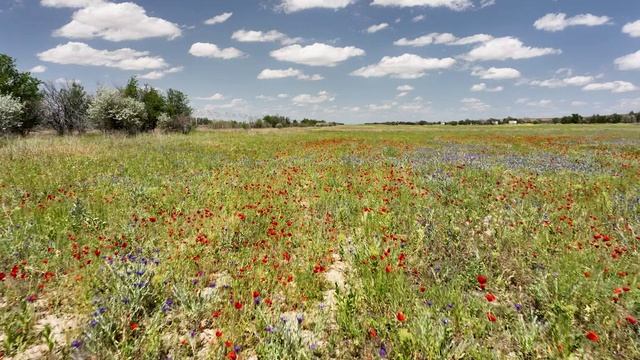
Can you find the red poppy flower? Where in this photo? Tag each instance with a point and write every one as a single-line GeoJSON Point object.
{"type": "Point", "coordinates": [401, 316]}
{"type": "Point", "coordinates": [2, 276]}
{"type": "Point", "coordinates": [373, 333]}
{"type": "Point", "coordinates": [232, 355]}
{"type": "Point", "coordinates": [388, 269]}
{"type": "Point", "coordinates": [218, 333]}
{"type": "Point", "coordinates": [238, 305]}
{"type": "Point", "coordinates": [216, 314]}
{"type": "Point", "coordinates": [592, 336]}
{"type": "Point", "coordinates": [153, 219]}
{"type": "Point", "coordinates": [256, 294]}
{"type": "Point", "coordinates": [133, 326]}
{"type": "Point", "coordinates": [491, 317]}
{"type": "Point", "coordinates": [228, 343]}
{"type": "Point", "coordinates": [482, 281]}
{"type": "Point", "coordinates": [490, 297]}
{"type": "Point", "coordinates": [631, 320]}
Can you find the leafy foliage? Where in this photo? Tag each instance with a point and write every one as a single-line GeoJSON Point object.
{"type": "Point", "coordinates": [24, 87]}
{"type": "Point", "coordinates": [111, 111]}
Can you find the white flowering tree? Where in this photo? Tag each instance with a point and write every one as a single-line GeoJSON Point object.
{"type": "Point", "coordinates": [11, 110]}
{"type": "Point", "coordinates": [111, 111]}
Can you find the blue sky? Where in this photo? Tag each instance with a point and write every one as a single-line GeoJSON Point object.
{"type": "Point", "coordinates": [343, 60]}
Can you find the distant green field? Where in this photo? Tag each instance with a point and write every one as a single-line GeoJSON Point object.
{"type": "Point", "coordinates": [353, 242]}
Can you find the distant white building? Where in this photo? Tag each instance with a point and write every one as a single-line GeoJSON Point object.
{"type": "Point", "coordinates": [513, 122]}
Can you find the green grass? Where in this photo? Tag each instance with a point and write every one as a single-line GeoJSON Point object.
{"type": "Point", "coordinates": [153, 244]}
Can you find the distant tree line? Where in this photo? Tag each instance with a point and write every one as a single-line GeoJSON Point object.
{"type": "Point", "coordinates": [27, 103]}
{"type": "Point", "coordinates": [266, 122]}
{"type": "Point", "coordinates": [632, 117]}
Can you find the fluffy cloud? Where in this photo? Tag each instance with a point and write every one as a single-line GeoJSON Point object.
{"type": "Point", "coordinates": [614, 86]}
{"type": "Point", "coordinates": [116, 22]}
{"type": "Point", "coordinates": [214, 97]}
{"type": "Point", "coordinates": [473, 105]}
{"type": "Point", "coordinates": [559, 21]}
{"type": "Point", "coordinates": [406, 66]}
{"type": "Point", "coordinates": [307, 99]}
{"type": "Point", "coordinates": [375, 28]}
{"type": "Point", "coordinates": [38, 69]}
{"type": "Point", "coordinates": [269, 74]}
{"type": "Point", "coordinates": [405, 88]}
{"type": "Point", "coordinates": [560, 83]}
{"type": "Point", "coordinates": [317, 54]}
{"type": "Point", "coordinates": [505, 48]}
{"type": "Point", "coordinates": [629, 62]}
{"type": "Point", "coordinates": [484, 87]}
{"type": "Point", "coordinates": [219, 19]}
{"type": "Point", "coordinates": [70, 3]}
{"type": "Point", "coordinates": [263, 36]}
{"type": "Point", "coordinates": [443, 38]}
{"type": "Point", "coordinates": [159, 74]}
{"type": "Point", "coordinates": [433, 38]}
{"type": "Point", "coordinates": [290, 6]}
{"type": "Point", "coordinates": [75, 53]}
{"type": "Point", "coordinates": [213, 51]}
{"type": "Point", "coordinates": [496, 73]}
{"type": "Point", "coordinates": [451, 4]}
{"type": "Point", "coordinates": [633, 29]}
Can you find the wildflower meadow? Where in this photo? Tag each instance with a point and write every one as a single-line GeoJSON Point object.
{"type": "Point", "coordinates": [338, 243]}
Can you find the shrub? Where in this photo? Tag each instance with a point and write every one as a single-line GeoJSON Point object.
{"type": "Point", "coordinates": [65, 109]}
{"type": "Point", "coordinates": [23, 87]}
{"type": "Point", "coordinates": [182, 124]}
{"type": "Point", "coordinates": [111, 111]}
{"type": "Point", "coordinates": [11, 110]}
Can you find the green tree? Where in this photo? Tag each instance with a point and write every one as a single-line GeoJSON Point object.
{"type": "Point", "coordinates": [177, 104]}
{"type": "Point", "coordinates": [132, 90]}
{"type": "Point", "coordinates": [23, 87]}
{"type": "Point", "coordinates": [155, 105]}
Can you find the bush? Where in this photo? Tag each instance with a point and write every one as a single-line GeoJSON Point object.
{"type": "Point", "coordinates": [23, 87]}
{"type": "Point", "coordinates": [111, 111]}
{"type": "Point", "coordinates": [182, 124]}
{"type": "Point", "coordinates": [65, 109]}
{"type": "Point", "coordinates": [10, 113]}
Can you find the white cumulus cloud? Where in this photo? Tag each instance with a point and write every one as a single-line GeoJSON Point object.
{"type": "Point", "coordinates": [484, 87]}
{"type": "Point", "coordinates": [613, 86]}
{"type": "Point", "coordinates": [38, 69]}
{"type": "Point", "coordinates": [308, 99]}
{"type": "Point", "coordinates": [214, 97]}
{"type": "Point", "coordinates": [263, 36]}
{"type": "Point", "coordinates": [219, 19]}
{"type": "Point", "coordinates": [633, 29]}
{"type": "Point", "coordinates": [290, 6]}
{"type": "Point", "coordinates": [269, 74]}
{"type": "Point", "coordinates": [213, 51]}
{"type": "Point", "coordinates": [69, 3]}
{"type": "Point", "coordinates": [443, 38]}
{"type": "Point", "coordinates": [318, 54]}
{"type": "Point", "coordinates": [629, 62]}
{"type": "Point", "coordinates": [116, 22]}
{"type": "Point", "coordinates": [375, 28]}
{"type": "Point", "coordinates": [505, 48]}
{"type": "Point", "coordinates": [406, 66]}
{"type": "Point", "coordinates": [494, 73]}
{"type": "Point", "coordinates": [560, 21]}
{"type": "Point", "coordinates": [159, 74]}
{"type": "Point", "coordinates": [76, 53]}
{"type": "Point", "coordinates": [451, 4]}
